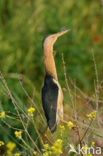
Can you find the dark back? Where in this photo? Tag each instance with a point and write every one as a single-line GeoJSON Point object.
{"type": "Point", "coordinates": [49, 101]}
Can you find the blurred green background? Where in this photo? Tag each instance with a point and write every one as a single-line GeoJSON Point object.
{"type": "Point", "coordinates": [24, 24]}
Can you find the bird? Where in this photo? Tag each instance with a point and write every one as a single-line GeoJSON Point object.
{"type": "Point", "coordinates": [52, 95]}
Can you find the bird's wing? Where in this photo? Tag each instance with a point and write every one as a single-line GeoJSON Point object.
{"type": "Point", "coordinates": [49, 101]}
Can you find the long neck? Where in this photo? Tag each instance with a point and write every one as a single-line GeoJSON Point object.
{"type": "Point", "coordinates": [49, 62]}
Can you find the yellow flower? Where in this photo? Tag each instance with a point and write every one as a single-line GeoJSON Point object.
{"type": "Point", "coordinates": [18, 134]}
{"type": "Point", "coordinates": [93, 143]}
{"type": "Point", "coordinates": [85, 148]}
{"type": "Point", "coordinates": [35, 153]}
{"type": "Point", "coordinates": [53, 148]}
{"type": "Point", "coordinates": [72, 145]}
{"type": "Point", "coordinates": [89, 116]}
{"type": "Point", "coordinates": [57, 147]}
{"type": "Point", "coordinates": [57, 150]}
{"type": "Point", "coordinates": [62, 128]}
{"type": "Point", "coordinates": [58, 141]}
{"type": "Point", "coordinates": [11, 146]}
{"type": "Point", "coordinates": [70, 125]}
{"type": "Point", "coordinates": [31, 110]}
{"type": "Point", "coordinates": [1, 143]}
{"type": "Point", "coordinates": [2, 115]}
{"type": "Point", "coordinates": [92, 115]}
{"type": "Point", "coordinates": [45, 146]}
{"type": "Point", "coordinates": [46, 154]}
{"type": "Point", "coordinates": [17, 154]}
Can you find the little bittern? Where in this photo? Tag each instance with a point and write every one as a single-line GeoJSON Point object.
{"type": "Point", "coordinates": [52, 96]}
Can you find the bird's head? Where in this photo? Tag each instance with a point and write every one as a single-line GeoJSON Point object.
{"type": "Point", "coordinates": [50, 39]}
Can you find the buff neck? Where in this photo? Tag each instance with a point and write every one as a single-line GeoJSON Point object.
{"type": "Point", "coordinates": [49, 62]}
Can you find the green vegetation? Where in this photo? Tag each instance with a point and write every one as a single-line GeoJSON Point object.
{"type": "Point", "coordinates": [23, 25]}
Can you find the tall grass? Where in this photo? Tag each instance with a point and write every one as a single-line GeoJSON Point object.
{"type": "Point", "coordinates": [83, 111]}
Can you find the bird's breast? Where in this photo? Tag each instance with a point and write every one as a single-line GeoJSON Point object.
{"type": "Point", "coordinates": [59, 114]}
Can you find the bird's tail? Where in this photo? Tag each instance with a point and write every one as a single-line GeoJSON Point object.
{"type": "Point", "coordinates": [52, 126]}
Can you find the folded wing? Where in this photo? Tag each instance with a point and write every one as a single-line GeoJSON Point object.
{"type": "Point", "coordinates": [49, 101]}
